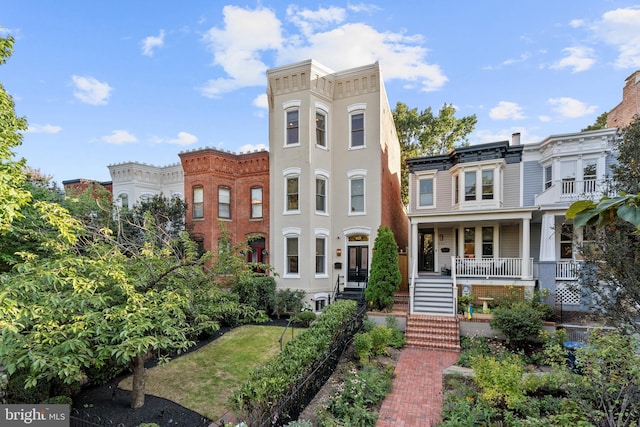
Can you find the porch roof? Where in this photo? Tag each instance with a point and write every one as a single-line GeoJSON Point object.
{"type": "Point", "coordinates": [455, 217]}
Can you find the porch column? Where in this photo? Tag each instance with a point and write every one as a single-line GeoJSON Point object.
{"type": "Point", "coordinates": [413, 259]}
{"type": "Point", "coordinates": [547, 238]}
{"type": "Point", "coordinates": [526, 248]}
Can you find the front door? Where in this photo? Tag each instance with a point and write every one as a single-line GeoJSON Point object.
{"type": "Point", "coordinates": [426, 261]}
{"type": "Point", "coordinates": [358, 266]}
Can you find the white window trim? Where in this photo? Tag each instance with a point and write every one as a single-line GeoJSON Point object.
{"type": "Point", "coordinates": [426, 175]}
{"type": "Point", "coordinates": [353, 109]}
{"type": "Point", "coordinates": [477, 167]}
{"type": "Point", "coordinates": [288, 106]}
{"type": "Point", "coordinates": [287, 233]}
{"type": "Point", "coordinates": [290, 173]}
{"type": "Point", "coordinates": [323, 233]}
{"type": "Point", "coordinates": [323, 174]}
{"type": "Point", "coordinates": [324, 109]}
{"type": "Point", "coordinates": [358, 174]}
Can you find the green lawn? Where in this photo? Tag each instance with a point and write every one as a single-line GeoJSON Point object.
{"type": "Point", "coordinates": [204, 379]}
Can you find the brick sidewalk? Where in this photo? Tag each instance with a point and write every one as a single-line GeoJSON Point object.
{"type": "Point", "coordinates": [416, 397]}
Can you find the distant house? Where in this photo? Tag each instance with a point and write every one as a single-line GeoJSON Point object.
{"type": "Point", "coordinates": [470, 232]}
{"type": "Point", "coordinates": [77, 186]}
{"type": "Point", "coordinates": [232, 189]}
{"type": "Point", "coordinates": [623, 113]}
{"type": "Point", "coordinates": [489, 221]}
{"type": "Point", "coordinates": [134, 181]}
{"type": "Point", "coordinates": [334, 175]}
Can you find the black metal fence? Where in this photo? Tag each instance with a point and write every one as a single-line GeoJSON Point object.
{"type": "Point", "coordinates": [303, 392]}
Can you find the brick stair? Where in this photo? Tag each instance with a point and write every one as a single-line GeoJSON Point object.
{"type": "Point", "coordinates": [400, 304]}
{"type": "Point", "coordinates": [435, 332]}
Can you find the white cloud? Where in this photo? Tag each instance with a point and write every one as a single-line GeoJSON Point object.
{"type": "Point", "coordinates": [35, 128]}
{"type": "Point", "coordinates": [261, 101]}
{"type": "Point", "coordinates": [236, 48]}
{"type": "Point", "coordinates": [400, 56]}
{"type": "Point", "coordinates": [576, 23]}
{"type": "Point", "coordinates": [247, 36]}
{"type": "Point", "coordinates": [248, 148]}
{"type": "Point", "coordinates": [544, 119]}
{"type": "Point", "coordinates": [485, 136]}
{"type": "Point", "coordinates": [363, 7]}
{"type": "Point", "coordinates": [151, 42]}
{"type": "Point", "coordinates": [309, 20]}
{"type": "Point", "coordinates": [91, 91]}
{"type": "Point", "coordinates": [119, 137]}
{"type": "Point", "coordinates": [578, 58]}
{"type": "Point", "coordinates": [571, 108]}
{"type": "Point", "coordinates": [183, 138]}
{"type": "Point", "coordinates": [506, 110]}
{"type": "Point", "coordinates": [621, 29]}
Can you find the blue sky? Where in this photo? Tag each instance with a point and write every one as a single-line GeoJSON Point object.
{"type": "Point", "coordinates": [114, 81]}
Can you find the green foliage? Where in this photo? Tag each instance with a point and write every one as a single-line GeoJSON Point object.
{"type": "Point", "coordinates": [363, 343]}
{"type": "Point", "coordinates": [424, 134]}
{"type": "Point", "coordinates": [59, 400]}
{"type": "Point", "coordinates": [554, 349]}
{"type": "Point", "coordinates": [305, 318]}
{"type": "Point", "coordinates": [626, 172]}
{"type": "Point", "coordinates": [479, 346]}
{"type": "Point", "coordinates": [299, 423]}
{"type": "Point", "coordinates": [288, 301]}
{"type": "Point", "coordinates": [148, 425]}
{"type": "Point", "coordinates": [398, 340]}
{"type": "Point", "coordinates": [519, 323]}
{"type": "Point", "coordinates": [609, 389]}
{"type": "Point", "coordinates": [269, 384]}
{"type": "Point", "coordinates": [385, 277]}
{"type": "Point", "coordinates": [258, 292]}
{"type": "Point", "coordinates": [352, 403]}
{"type": "Point", "coordinates": [500, 381]}
{"type": "Point", "coordinates": [380, 339]}
{"type": "Point", "coordinates": [600, 123]}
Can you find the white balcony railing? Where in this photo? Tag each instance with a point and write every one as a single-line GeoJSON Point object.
{"type": "Point", "coordinates": [493, 267]}
{"type": "Point", "coordinates": [571, 190]}
{"type": "Point", "coordinates": [567, 270]}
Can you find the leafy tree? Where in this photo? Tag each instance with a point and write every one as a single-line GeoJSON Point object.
{"type": "Point", "coordinates": [626, 173]}
{"type": "Point", "coordinates": [385, 277]}
{"type": "Point", "coordinates": [13, 195]}
{"type": "Point", "coordinates": [600, 123]}
{"type": "Point", "coordinates": [425, 134]}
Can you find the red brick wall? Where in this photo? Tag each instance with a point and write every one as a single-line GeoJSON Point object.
{"type": "Point", "coordinates": [393, 212]}
{"type": "Point", "coordinates": [212, 169]}
{"type": "Point", "coordinates": [77, 186]}
{"type": "Point", "coordinates": [624, 112]}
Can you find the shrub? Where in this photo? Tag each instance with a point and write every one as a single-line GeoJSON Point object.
{"type": "Point", "coordinates": [380, 338]}
{"type": "Point", "coordinates": [500, 381]}
{"type": "Point", "coordinates": [288, 301]}
{"type": "Point", "coordinates": [259, 292]}
{"type": "Point", "coordinates": [362, 344]}
{"type": "Point", "coordinates": [398, 339]}
{"type": "Point", "coordinates": [385, 277]}
{"type": "Point", "coordinates": [518, 323]}
{"type": "Point", "coordinates": [305, 318]}
{"type": "Point", "coordinates": [59, 400]}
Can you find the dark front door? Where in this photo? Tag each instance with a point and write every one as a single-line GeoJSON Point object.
{"type": "Point", "coordinates": [358, 262]}
{"type": "Point", "coordinates": [426, 262]}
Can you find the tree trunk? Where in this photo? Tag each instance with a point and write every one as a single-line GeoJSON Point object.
{"type": "Point", "coordinates": [137, 392]}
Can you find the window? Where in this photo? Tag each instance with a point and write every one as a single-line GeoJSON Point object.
{"type": "Point", "coordinates": [548, 177]}
{"type": "Point", "coordinates": [566, 241]}
{"type": "Point", "coordinates": [469, 242]}
{"type": "Point", "coordinates": [356, 189]}
{"type": "Point", "coordinates": [124, 200]}
{"type": "Point", "coordinates": [293, 135]}
{"type": "Point", "coordinates": [470, 186]}
{"type": "Point", "coordinates": [589, 174]}
{"type": "Point", "coordinates": [456, 190]}
{"type": "Point", "coordinates": [487, 242]}
{"type": "Point", "coordinates": [321, 129]}
{"type": "Point", "coordinates": [321, 255]}
{"type": "Point", "coordinates": [292, 194]}
{"type": "Point", "coordinates": [224, 202]}
{"type": "Point", "coordinates": [256, 202]}
{"type": "Point", "coordinates": [321, 195]}
{"type": "Point", "coordinates": [487, 185]}
{"type": "Point", "coordinates": [198, 202]}
{"type": "Point", "coordinates": [292, 255]}
{"type": "Point", "coordinates": [357, 130]}
{"type": "Point", "coordinates": [426, 192]}
{"type": "Point", "coordinates": [568, 170]}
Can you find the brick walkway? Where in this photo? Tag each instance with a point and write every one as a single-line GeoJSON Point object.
{"type": "Point", "coordinates": [416, 397]}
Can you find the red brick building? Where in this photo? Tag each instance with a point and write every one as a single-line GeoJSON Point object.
{"type": "Point", "coordinates": [622, 114]}
{"type": "Point", "coordinates": [228, 188]}
{"type": "Point", "coordinates": [77, 186]}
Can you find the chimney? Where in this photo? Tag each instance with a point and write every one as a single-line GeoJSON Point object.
{"type": "Point", "coordinates": [515, 138]}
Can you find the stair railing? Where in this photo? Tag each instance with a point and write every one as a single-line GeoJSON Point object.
{"type": "Point", "coordinates": [336, 290]}
{"type": "Point", "coordinates": [454, 280]}
{"type": "Point", "coordinates": [412, 284]}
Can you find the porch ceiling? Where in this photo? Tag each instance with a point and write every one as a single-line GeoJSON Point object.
{"type": "Point", "coordinates": [465, 217]}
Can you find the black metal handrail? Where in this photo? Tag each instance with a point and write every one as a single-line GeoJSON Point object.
{"type": "Point", "coordinates": [285, 331]}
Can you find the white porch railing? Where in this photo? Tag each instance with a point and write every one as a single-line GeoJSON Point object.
{"type": "Point", "coordinates": [567, 270]}
{"type": "Point", "coordinates": [570, 190]}
{"type": "Point", "coordinates": [492, 267]}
